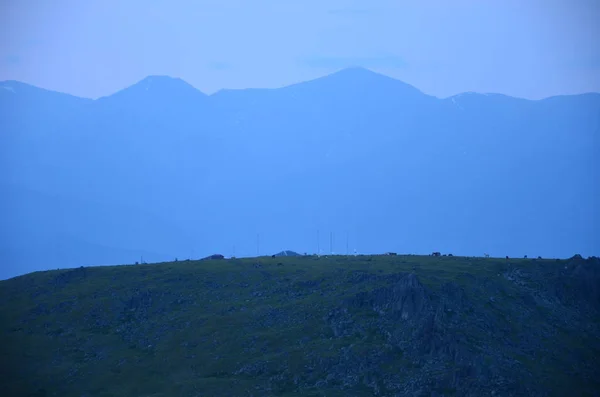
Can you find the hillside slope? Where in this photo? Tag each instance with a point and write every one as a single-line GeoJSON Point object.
{"type": "Point", "coordinates": [311, 326]}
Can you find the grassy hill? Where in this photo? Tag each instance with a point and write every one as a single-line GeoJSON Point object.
{"type": "Point", "coordinates": [311, 326]}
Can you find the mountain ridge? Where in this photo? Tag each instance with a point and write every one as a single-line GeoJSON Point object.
{"type": "Point", "coordinates": [339, 73]}
{"type": "Point", "coordinates": [393, 169]}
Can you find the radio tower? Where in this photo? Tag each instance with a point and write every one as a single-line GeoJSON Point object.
{"type": "Point", "coordinates": [331, 242]}
{"type": "Point", "coordinates": [347, 238]}
{"type": "Point", "coordinates": [318, 244]}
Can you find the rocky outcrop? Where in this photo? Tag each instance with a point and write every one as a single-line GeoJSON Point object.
{"type": "Point", "coordinates": [404, 300]}
{"type": "Point", "coordinates": [432, 332]}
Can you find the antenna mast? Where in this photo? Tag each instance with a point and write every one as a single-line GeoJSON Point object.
{"type": "Point", "coordinates": [257, 244]}
{"type": "Point", "coordinates": [318, 244]}
{"type": "Point", "coordinates": [331, 242]}
{"type": "Point", "coordinates": [347, 238]}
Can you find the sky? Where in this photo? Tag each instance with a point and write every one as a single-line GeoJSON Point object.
{"type": "Point", "coordinates": [526, 48]}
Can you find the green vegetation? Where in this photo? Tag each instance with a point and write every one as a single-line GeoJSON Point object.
{"type": "Point", "coordinates": [311, 326]}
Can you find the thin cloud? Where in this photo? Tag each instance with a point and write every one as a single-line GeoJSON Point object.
{"type": "Point", "coordinates": [219, 65]}
{"type": "Point", "coordinates": [384, 62]}
{"type": "Point", "coordinates": [590, 63]}
{"type": "Point", "coordinates": [351, 11]}
{"type": "Point", "coordinates": [33, 43]}
{"type": "Point", "coordinates": [583, 63]}
{"type": "Point", "coordinates": [12, 59]}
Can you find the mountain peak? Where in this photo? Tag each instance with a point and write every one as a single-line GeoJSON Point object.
{"type": "Point", "coordinates": [357, 71]}
{"type": "Point", "coordinates": [161, 79]}
{"type": "Point", "coordinates": [361, 75]}
{"type": "Point", "coordinates": [8, 86]}
{"type": "Point", "coordinates": [362, 79]}
{"type": "Point", "coordinates": [17, 89]}
{"type": "Point", "coordinates": [160, 86]}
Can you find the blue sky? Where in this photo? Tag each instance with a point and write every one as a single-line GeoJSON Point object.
{"type": "Point", "coordinates": [526, 48]}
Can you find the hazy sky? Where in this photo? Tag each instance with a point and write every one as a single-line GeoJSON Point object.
{"type": "Point", "coordinates": [91, 48]}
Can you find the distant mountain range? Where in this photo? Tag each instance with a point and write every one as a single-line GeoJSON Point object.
{"type": "Point", "coordinates": [160, 170]}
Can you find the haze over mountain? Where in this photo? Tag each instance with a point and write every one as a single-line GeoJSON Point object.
{"type": "Point", "coordinates": [161, 170]}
